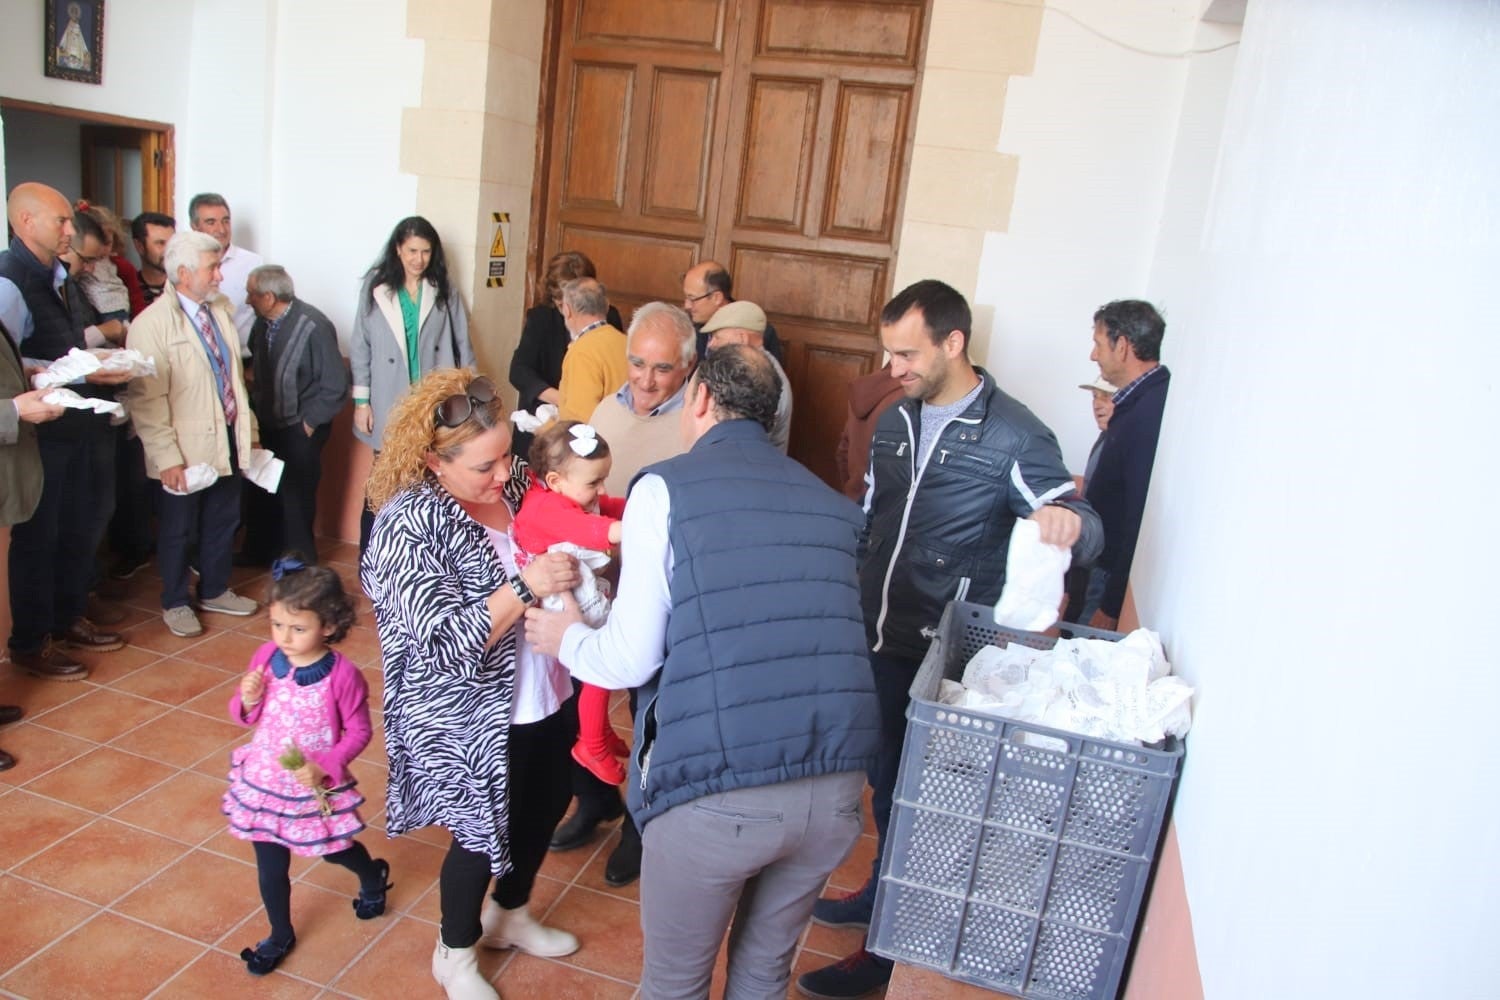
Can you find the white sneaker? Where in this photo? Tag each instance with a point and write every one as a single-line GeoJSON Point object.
{"type": "Point", "coordinates": [229, 603]}
{"type": "Point", "coordinates": [457, 972]}
{"type": "Point", "coordinates": [518, 929]}
{"type": "Point", "coordinates": [181, 621]}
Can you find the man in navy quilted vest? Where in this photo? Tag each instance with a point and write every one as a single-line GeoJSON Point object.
{"type": "Point", "coordinates": [739, 618]}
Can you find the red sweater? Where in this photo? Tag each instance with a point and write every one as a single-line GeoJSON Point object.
{"type": "Point", "coordinates": [546, 518]}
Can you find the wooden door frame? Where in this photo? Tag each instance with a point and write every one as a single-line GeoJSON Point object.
{"type": "Point", "coordinates": [160, 141]}
{"type": "Point", "coordinates": [551, 49]}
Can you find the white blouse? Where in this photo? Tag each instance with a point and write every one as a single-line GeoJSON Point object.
{"type": "Point", "coordinates": [542, 684]}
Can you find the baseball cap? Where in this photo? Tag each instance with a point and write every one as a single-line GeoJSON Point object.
{"type": "Point", "coordinates": [738, 316]}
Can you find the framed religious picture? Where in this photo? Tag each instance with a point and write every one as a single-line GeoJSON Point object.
{"type": "Point", "coordinates": [74, 43]}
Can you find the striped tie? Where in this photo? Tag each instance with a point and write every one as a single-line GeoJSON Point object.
{"type": "Point", "coordinates": [211, 340]}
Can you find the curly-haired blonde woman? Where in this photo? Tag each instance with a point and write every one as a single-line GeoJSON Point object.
{"type": "Point", "coordinates": [472, 723]}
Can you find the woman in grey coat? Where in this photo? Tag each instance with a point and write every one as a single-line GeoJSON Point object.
{"type": "Point", "coordinates": [408, 321]}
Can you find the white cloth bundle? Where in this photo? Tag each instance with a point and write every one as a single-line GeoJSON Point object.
{"type": "Point", "coordinates": [264, 471]}
{"type": "Point", "coordinates": [78, 363]}
{"type": "Point", "coordinates": [1033, 580]}
{"type": "Point", "coordinates": [73, 401]}
{"type": "Point", "coordinates": [592, 593]}
{"type": "Point", "coordinates": [1119, 691]}
{"type": "Point", "coordinates": [530, 423]}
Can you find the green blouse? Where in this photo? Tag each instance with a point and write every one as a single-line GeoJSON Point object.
{"type": "Point", "coordinates": [410, 314]}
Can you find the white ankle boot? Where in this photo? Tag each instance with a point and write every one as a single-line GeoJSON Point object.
{"type": "Point", "coordinates": [457, 972]}
{"type": "Point", "coordinates": [518, 929]}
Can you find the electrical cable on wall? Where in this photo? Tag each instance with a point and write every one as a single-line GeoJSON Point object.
{"type": "Point", "coordinates": [1115, 41]}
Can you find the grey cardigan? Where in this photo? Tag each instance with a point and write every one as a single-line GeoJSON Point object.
{"type": "Point", "coordinates": [377, 347]}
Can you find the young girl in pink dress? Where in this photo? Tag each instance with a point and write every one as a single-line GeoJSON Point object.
{"type": "Point", "coordinates": [290, 790]}
{"type": "Point", "coordinates": [566, 505]}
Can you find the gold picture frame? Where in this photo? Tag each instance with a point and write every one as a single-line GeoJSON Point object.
{"type": "Point", "coordinates": [74, 40]}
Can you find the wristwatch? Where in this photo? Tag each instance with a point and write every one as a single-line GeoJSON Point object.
{"type": "Point", "coordinates": [522, 590]}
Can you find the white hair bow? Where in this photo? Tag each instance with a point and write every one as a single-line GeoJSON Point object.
{"type": "Point", "coordinates": [585, 440]}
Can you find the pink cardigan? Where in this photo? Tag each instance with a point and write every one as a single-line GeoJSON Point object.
{"type": "Point", "coordinates": [348, 713]}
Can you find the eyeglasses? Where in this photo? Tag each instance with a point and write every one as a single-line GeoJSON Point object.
{"type": "Point", "coordinates": [453, 411]}
{"type": "Point", "coordinates": [688, 300]}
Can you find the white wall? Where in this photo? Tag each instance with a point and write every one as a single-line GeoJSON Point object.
{"type": "Point", "coordinates": [1094, 128]}
{"type": "Point", "coordinates": [344, 69]}
{"type": "Point", "coordinates": [1319, 540]}
{"type": "Point", "coordinates": [222, 146]}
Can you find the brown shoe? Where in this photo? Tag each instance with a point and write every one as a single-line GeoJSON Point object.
{"type": "Point", "coordinates": [10, 713]}
{"type": "Point", "coordinates": [49, 663]}
{"type": "Point", "coordinates": [105, 612]}
{"type": "Point", "coordinates": [86, 635]}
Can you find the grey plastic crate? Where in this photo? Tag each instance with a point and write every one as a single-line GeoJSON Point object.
{"type": "Point", "coordinates": [1018, 855]}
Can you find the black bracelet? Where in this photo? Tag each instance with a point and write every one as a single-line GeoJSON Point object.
{"type": "Point", "coordinates": [522, 591]}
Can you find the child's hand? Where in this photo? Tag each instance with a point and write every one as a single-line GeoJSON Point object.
{"type": "Point", "coordinates": [310, 775]}
{"type": "Point", "coordinates": [615, 531]}
{"type": "Point", "coordinates": [252, 688]}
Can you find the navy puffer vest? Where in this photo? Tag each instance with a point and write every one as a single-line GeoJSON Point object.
{"type": "Point", "coordinates": [57, 327]}
{"type": "Point", "coordinates": [766, 678]}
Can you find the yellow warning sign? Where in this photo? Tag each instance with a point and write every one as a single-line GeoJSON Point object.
{"type": "Point", "coordinates": [502, 222]}
{"type": "Point", "coordinates": [496, 277]}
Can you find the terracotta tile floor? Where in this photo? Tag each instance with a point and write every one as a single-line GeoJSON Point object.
{"type": "Point", "coordinates": [118, 880]}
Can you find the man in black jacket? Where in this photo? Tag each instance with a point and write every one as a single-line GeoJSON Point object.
{"type": "Point", "coordinates": [1127, 349]}
{"type": "Point", "coordinates": [954, 465]}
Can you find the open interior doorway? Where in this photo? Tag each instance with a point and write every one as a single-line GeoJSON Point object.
{"type": "Point", "coordinates": [123, 163]}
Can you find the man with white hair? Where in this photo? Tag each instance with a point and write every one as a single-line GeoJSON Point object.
{"type": "Point", "coordinates": [194, 412]}
{"type": "Point", "coordinates": [742, 322]}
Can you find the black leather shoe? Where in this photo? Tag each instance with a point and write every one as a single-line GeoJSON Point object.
{"type": "Point", "coordinates": [624, 864]}
{"type": "Point", "coordinates": [6, 761]}
{"type": "Point", "coordinates": [578, 829]}
{"type": "Point", "coordinates": [265, 956]}
{"type": "Point", "coordinates": [10, 713]}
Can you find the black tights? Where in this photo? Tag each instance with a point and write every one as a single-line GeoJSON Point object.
{"type": "Point", "coordinates": [274, 862]}
{"type": "Point", "coordinates": [539, 755]}
{"type": "Point", "coordinates": [464, 879]}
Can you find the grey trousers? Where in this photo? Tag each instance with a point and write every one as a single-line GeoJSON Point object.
{"type": "Point", "coordinates": [757, 855]}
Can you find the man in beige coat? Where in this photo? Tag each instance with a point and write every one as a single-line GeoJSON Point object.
{"type": "Point", "coordinates": [194, 412]}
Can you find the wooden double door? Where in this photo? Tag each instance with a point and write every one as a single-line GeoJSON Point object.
{"type": "Point", "coordinates": [770, 135]}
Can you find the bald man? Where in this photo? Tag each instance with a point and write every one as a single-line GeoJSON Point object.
{"type": "Point", "coordinates": [707, 288]}
{"type": "Point", "coordinates": [52, 554]}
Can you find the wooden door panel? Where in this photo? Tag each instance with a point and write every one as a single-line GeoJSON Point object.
{"type": "Point", "coordinates": [594, 172]}
{"type": "Point", "coordinates": [636, 265]}
{"type": "Point", "coordinates": [691, 23]}
{"type": "Point", "coordinates": [818, 417]}
{"type": "Point", "coordinates": [679, 144]}
{"type": "Point", "coordinates": [813, 287]}
{"type": "Point", "coordinates": [839, 29]}
{"type": "Point", "coordinates": [780, 139]}
{"type": "Point", "coordinates": [865, 168]}
{"type": "Point", "coordinates": [771, 135]}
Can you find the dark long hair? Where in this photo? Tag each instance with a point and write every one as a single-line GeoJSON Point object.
{"type": "Point", "coordinates": [388, 271]}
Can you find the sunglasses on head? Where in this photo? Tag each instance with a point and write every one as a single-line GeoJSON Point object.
{"type": "Point", "coordinates": [457, 408]}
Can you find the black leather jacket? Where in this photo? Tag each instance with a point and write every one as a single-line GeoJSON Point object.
{"type": "Point", "coordinates": [943, 533]}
